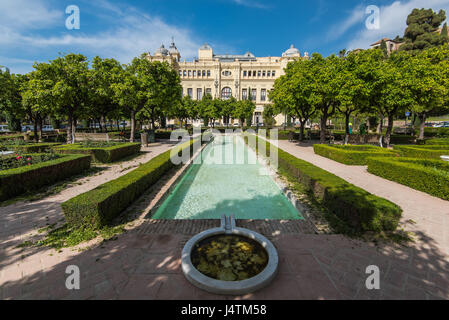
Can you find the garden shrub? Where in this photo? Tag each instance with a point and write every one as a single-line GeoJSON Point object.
{"type": "Point", "coordinates": [34, 147]}
{"type": "Point", "coordinates": [436, 132]}
{"type": "Point", "coordinates": [427, 175]}
{"type": "Point", "coordinates": [102, 154]}
{"type": "Point", "coordinates": [19, 180]}
{"type": "Point", "coordinates": [437, 142]}
{"type": "Point", "coordinates": [423, 152]}
{"type": "Point", "coordinates": [351, 155]}
{"type": "Point", "coordinates": [10, 139]}
{"type": "Point", "coordinates": [101, 205]}
{"type": "Point", "coordinates": [402, 139]}
{"type": "Point", "coordinates": [355, 208]}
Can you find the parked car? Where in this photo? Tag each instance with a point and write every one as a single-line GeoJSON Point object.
{"type": "Point", "coordinates": [446, 124]}
{"type": "Point", "coordinates": [47, 128]}
{"type": "Point", "coordinates": [26, 128]}
{"type": "Point", "coordinates": [236, 125]}
{"type": "Point", "coordinates": [4, 128]}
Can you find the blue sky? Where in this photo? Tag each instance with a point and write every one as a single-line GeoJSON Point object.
{"type": "Point", "coordinates": [34, 30]}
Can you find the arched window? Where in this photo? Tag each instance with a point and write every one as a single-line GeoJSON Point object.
{"type": "Point", "coordinates": [226, 93]}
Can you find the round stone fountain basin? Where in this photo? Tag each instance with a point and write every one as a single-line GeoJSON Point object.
{"type": "Point", "coordinates": [216, 286]}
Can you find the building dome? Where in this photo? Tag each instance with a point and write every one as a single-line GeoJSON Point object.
{"type": "Point", "coordinates": [173, 49]}
{"type": "Point", "coordinates": [205, 47]}
{"type": "Point", "coordinates": [249, 54]}
{"type": "Point", "coordinates": [162, 51]}
{"type": "Point", "coordinates": [291, 52]}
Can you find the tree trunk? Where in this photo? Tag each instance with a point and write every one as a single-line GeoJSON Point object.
{"type": "Point", "coordinates": [389, 130]}
{"type": "Point", "coordinates": [323, 122]}
{"type": "Point", "coordinates": [40, 127]}
{"type": "Point", "coordinates": [380, 125]}
{"type": "Point", "coordinates": [73, 125]}
{"type": "Point", "coordinates": [69, 127]}
{"type": "Point", "coordinates": [347, 116]}
{"type": "Point", "coordinates": [422, 118]}
{"type": "Point", "coordinates": [301, 129]}
{"type": "Point", "coordinates": [36, 134]}
{"type": "Point", "coordinates": [133, 125]}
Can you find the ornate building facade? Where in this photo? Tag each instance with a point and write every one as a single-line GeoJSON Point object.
{"type": "Point", "coordinates": [224, 76]}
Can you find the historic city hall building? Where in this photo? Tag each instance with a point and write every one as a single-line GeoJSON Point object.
{"type": "Point", "coordinates": [224, 76]}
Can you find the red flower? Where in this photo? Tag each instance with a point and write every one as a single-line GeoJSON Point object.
{"type": "Point", "coordinates": [18, 158]}
{"type": "Point", "coordinates": [29, 164]}
{"type": "Point", "coordinates": [28, 159]}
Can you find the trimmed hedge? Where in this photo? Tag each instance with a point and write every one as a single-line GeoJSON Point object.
{"type": "Point", "coordinates": [427, 175]}
{"type": "Point", "coordinates": [351, 155]}
{"type": "Point", "coordinates": [438, 142]}
{"type": "Point", "coordinates": [34, 147]}
{"type": "Point", "coordinates": [423, 152]}
{"type": "Point", "coordinates": [436, 132]}
{"type": "Point", "coordinates": [103, 155]}
{"type": "Point", "coordinates": [16, 181]}
{"type": "Point", "coordinates": [101, 205]}
{"type": "Point", "coordinates": [6, 139]}
{"type": "Point", "coordinates": [356, 208]}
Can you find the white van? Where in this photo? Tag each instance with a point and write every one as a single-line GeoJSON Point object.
{"type": "Point", "coordinates": [4, 128]}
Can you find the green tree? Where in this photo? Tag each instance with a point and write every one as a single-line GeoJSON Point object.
{"type": "Point", "coordinates": [102, 104]}
{"type": "Point", "coordinates": [422, 30]}
{"type": "Point", "coordinates": [227, 109]}
{"type": "Point", "coordinates": [293, 93]}
{"type": "Point", "coordinates": [244, 109]}
{"type": "Point", "coordinates": [10, 99]}
{"type": "Point", "coordinates": [427, 76]}
{"type": "Point", "coordinates": [445, 34]}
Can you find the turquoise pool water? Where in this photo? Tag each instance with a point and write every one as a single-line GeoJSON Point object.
{"type": "Point", "coordinates": [213, 188]}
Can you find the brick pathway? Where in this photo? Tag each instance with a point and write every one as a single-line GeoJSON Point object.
{"type": "Point", "coordinates": [144, 263]}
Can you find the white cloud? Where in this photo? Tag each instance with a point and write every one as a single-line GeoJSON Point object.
{"type": "Point", "coordinates": [251, 4]}
{"type": "Point", "coordinates": [25, 14]}
{"type": "Point", "coordinates": [130, 34]}
{"type": "Point", "coordinates": [393, 19]}
{"type": "Point", "coordinates": [355, 17]}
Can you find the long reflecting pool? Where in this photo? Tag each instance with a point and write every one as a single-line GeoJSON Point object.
{"type": "Point", "coordinates": [213, 188]}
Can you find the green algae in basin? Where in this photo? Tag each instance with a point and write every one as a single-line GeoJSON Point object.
{"type": "Point", "coordinates": [229, 257]}
{"type": "Point", "coordinates": [210, 189]}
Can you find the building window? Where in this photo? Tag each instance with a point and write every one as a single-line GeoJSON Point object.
{"type": "Point", "coordinates": [273, 73]}
{"type": "Point", "coordinates": [194, 73]}
{"type": "Point", "coordinates": [244, 73]}
{"type": "Point", "coordinates": [254, 73]}
{"type": "Point", "coordinates": [268, 73]}
{"type": "Point", "coordinates": [263, 95]}
{"type": "Point", "coordinates": [226, 93]}
{"type": "Point", "coordinates": [185, 73]}
{"type": "Point", "coordinates": [204, 73]}
{"type": "Point", "coordinates": [190, 92]}
{"type": "Point", "coordinates": [263, 73]}
{"type": "Point", "coordinates": [227, 73]}
{"type": "Point", "coordinates": [180, 73]}
{"type": "Point", "coordinates": [199, 94]}
{"type": "Point", "coordinates": [253, 94]}
{"type": "Point", "coordinates": [208, 73]}
{"type": "Point", "coordinates": [244, 94]}
{"type": "Point", "coordinates": [209, 91]}
{"type": "Point", "coordinates": [258, 73]}
{"type": "Point", "coordinates": [190, 73]}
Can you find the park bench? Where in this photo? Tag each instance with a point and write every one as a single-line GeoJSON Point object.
{"type": "Point", "coordinates": [85, 136]}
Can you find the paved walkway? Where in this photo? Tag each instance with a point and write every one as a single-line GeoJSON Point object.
{"type": "Point", "coordinates": [430, 215]}
{"type": "Point", "coordinates": [144, 263]}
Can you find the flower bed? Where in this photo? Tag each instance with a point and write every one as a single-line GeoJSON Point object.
{"type": "Point", "coordinates": [101, 152]}
{"type": "Point", "coordinates": [427, 175]}
{"type": "Point", "coordinates": [351, 155]}
{"type": "Point", "coordinates": [19, 180]}
{"type": "Point", "coordinates": [16, 161]}
{"type": "Point", "coordinates": [33, 147]}
{"type": "Point", "coordinates": [356, 209]}
{"type": "Point", "coordinates": [101, 205]}
{"type": "Point", "coordinates": [423, 152]}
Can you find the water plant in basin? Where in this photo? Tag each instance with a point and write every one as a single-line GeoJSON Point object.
{"type": "Point", "coordinates": [229, 257]}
